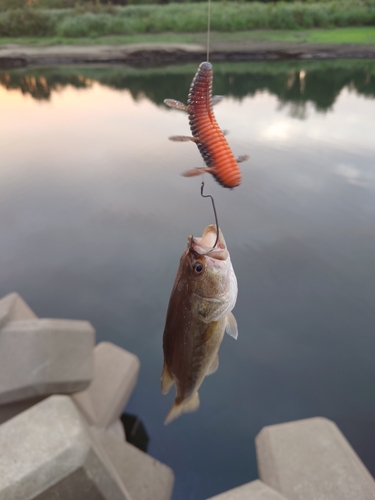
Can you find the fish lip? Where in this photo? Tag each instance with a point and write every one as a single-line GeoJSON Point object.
{"type": "Point", "coordinates": [197, 247]}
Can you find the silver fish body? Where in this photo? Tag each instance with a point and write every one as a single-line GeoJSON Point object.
{"type": "Point", "coordinates": [199, 312]}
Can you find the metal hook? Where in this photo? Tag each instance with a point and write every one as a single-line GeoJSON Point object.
{"type": "Point", "coordinates": [213, 206]}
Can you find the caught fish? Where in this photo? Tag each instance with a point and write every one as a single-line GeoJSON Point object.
{"type": "Point", "coordinates": [199, 312]}
{"type": "Point", "coordinates": [207, 135]}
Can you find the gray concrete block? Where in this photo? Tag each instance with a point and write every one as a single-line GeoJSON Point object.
{"type": "Point", "coordinates": [256, 490]}
{"type": "Point", "coordinates": [144, 477]}
{"type": "Point", "coordinates": [44, 356]}
{"type": "Point", "coordinates": [14, 308]}
{"type": "Point", "coordinates": [311, 459]}
{"type": "Point", "coordinates": [115, 375]}
{"type": "Point", "coordinates": [117, 430]}
{"type": "Point", "coordinates": [49, 453]}
{"type": "Point", "coordinates": [10, 410]}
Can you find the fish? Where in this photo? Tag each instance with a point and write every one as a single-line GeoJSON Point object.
{"type": "Point", "coordinates": [207, 135]}
{"type": "Point", "coordinates": [199, 312]}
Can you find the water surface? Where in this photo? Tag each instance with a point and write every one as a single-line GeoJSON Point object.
{"type": "Point", "coordinates": [94, 217]}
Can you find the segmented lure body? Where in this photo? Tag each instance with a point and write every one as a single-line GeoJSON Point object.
{"type": "Point", "coordinates": [213, 146]}
{"type": "Point", "coordinates": [211, 142]}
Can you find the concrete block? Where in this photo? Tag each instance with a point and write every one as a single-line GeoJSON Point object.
{"type": "Point", "coordinates": [256, 490]}
{"type": "Point", "coordinates": [49, 453]}
{"type": "Point", "coordinates": [144, 477]}
{"type": "Point", "coordinates": [117, 430]}
{"type": "Point", "coordinates": [115, 375]}
{"type": "Point", "coordinates": [311, 459]}
{"type": "Point", "coordinates": [14, 308]}
{"type": "Point", "coordinates": [44, 356]}
{"type": "Point", "coordinates": [10, 410]}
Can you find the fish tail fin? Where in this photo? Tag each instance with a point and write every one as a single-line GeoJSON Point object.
{"type": "Point", "coordinates": [185, 407]}
{"type": "Point", "coordinates": [196, 171]}
{"type": "Point", "coordinates": [166, 380]}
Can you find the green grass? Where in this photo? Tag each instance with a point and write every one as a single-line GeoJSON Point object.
{"type": "Point", "coordinates": [361, 35]}
{"type": "Point", "coordinates": [226, 16]}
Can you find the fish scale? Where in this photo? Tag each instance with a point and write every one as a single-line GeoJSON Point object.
{"type": "Point", "coordinates": [198, 315]}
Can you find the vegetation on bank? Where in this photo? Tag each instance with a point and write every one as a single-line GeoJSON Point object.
{"type": "Point", "coordinates": [95, 20]}
{"type": "Point", "coordinates": [293, 82]}
{"type": "Point", "coordinates": [356, 35]}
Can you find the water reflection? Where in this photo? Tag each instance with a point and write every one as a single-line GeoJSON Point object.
{"type": "Point", "coordinates": [294, 83]}
{"type": "Point", "coordinates": [94, 217]}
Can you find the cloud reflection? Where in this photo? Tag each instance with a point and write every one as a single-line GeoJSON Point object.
{"type": "Point", "coordinates": [94, 217]}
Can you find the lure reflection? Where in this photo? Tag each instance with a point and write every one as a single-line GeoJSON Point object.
{"type": "Point", "coordinates": [210, 140]}
{"type": "Point", "coordinates": [199, 312]}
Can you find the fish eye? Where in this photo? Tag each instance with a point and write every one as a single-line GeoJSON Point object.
{"type": "Point", "coordinates": [198, 268]}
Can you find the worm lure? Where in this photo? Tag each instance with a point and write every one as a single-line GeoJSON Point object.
{"type": "Point", "coordinates": [207, 135]}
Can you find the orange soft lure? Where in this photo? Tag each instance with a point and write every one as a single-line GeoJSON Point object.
{"type": "Point", "coordinates": [213, 146]}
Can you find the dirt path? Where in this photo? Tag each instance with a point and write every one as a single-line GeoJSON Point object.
{"type": "Point", "coordinates": [162, 53]}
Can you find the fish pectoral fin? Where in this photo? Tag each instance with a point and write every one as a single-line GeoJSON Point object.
{"type": "Point", "coordinates": [242, 158]}
{"type": "Point", "coordinates": [195, 171]}
{"type": "Point", "coordinates": [216, 99]}
{"type": "Point", "coordinates": [166, 380]}
{"type": "Point", "coordinates": [213, 366]}
{"type": "Point", "coordinates": [192, 404]}
{"type": "Point", "coordinates": [182, 138]}
{"type": "Point", "coordinates": [172, 103]}
{"type": "Point", "coordinates": [231, 326]}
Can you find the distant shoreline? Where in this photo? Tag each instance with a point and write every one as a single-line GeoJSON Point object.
{"type": "Point", "coordinates": [155, 54]}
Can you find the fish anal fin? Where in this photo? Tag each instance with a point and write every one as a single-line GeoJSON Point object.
{"type": "Point", "coordinates": [182, 138]}
{"type": "Point", "coordinates": [196, 171]}
{"type": "Point", "coordinates": [192, 404]}
{"type": "Point", "coordinates": [166, 380]}
{"type": "Point", "coordinates": [172, 103]}
{"type": "Point", "coordinates": [213, 366]}
{"type": "Point", "coordinates": [231, 326]}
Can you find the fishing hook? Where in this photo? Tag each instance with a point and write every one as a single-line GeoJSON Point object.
{"type": "Point", "coordinates": [213, 206]}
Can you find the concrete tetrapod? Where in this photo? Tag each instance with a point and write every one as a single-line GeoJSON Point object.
{"type": "Point", "coordinates": [256, 490]}
{"type": "Point", "coordinates": [39, 357]}
{"type": "Point", "coordinates": [144, 477]}
{"type": "Point", "coordinates": [48, 452]}
{"type": "Point", "coordinates": [14, 308]}
{"type": "Point", "coordinates": [115, 375]}
{"type": "Point", "coordinates": [311, 459]}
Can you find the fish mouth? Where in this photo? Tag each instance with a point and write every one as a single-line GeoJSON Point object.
{"type": "Point", "coordinates": [205, 244]}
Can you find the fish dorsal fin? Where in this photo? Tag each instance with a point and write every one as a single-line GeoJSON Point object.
{"type": "Point", "coordinates": [231, 326]}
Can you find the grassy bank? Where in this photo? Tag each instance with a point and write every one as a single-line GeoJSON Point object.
{"type": "Point", "coordinates": [361, 35]}
{"type": "Point", "coordinates": [183, 17]}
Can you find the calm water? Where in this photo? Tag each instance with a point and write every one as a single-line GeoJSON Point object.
{"type": "Point", "coordinates": [94, 217]}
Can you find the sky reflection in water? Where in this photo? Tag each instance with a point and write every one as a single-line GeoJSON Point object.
{"type": "Point", "coordinates": [94, 217]}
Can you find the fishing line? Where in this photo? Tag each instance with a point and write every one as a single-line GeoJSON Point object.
{"type": "Point", "coordinates": [208, 29]}
{"type": "Point", "coordinates": [213, 206]}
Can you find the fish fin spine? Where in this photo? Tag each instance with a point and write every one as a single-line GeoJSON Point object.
{"type": "Point", "coordinates": [231, 326]}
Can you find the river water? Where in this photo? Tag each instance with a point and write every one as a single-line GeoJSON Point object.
{"type": "Point", "coordinates": [95, 216]}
